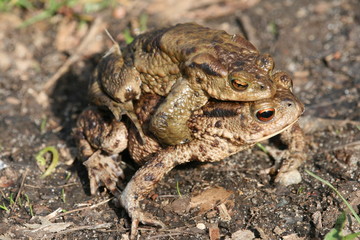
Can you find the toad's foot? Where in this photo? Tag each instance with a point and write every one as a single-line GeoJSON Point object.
{"type": "Point", "coordinates": [288, 173]}
{"type": "Point", "coordinates": [145, 180]}
{"type": "Point", "coordinates": [145, 218]}
{"type": "Point", "coordinates": [288, 178]}
{"type": "Point", "coordinates": [130, 200]}
{"type": "Point", "coordinates": [103, 170]}
{"type": "Point", "coordinates": [127, 108]}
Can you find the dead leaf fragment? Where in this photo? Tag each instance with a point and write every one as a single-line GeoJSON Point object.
{"type": "Point", "coordinates": [69, 35]}
{"type": "Point", "coordinates": [5, 62]}
{"type": "Point", "coordinates": [188, 10]}
{"type": "Point", "coordinates": [316, 218]}
{"type": "Point", "coordinates": [5, 182]}
{"type": "Point", "coordinates": [49, 227]}
{"type": "Point", "coordinates": [13, 100]}
{"type": "Point", "coordinates": [8, 176]}
{"type": "Point", "coordinates": [209, 198]}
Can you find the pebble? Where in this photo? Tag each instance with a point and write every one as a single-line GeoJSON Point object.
{"type": "Point", "coordinates": [201, 226]}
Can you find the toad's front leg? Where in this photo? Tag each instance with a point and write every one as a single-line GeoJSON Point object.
{"type": "Point", "coordinates": [116, 85]}
{"type": "Point", "coordinates": [169, 121]}
{"type": "Point", "coordinates": [100, 138]}
{"type": "Point", "coordinates": [295, 140]}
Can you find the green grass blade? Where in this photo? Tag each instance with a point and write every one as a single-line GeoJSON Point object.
{"type": "Point", "coordinates": [337, 192]}
{"type": "Point", "coordinates": [351, 236]}
{"type": "Point", "coordinates": [41, 160]}
{"type": "Point", "coordinates": [178, 188]}
{"type": "Point", "coordinates": [37, 18]}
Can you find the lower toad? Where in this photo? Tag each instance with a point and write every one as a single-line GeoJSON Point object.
{"type": "Point", "coordinates": [219, 130]}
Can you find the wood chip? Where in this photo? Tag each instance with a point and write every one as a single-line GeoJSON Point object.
{"type": "Point", "coordinates": [214, 232]}
{"type": "Point", "coordinates": [224, 213]}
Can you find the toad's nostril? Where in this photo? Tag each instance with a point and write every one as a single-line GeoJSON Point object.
{"type": "Point", "coordinates": [262, 87]}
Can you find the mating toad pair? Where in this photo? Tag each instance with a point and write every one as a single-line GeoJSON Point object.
{"type": "Point", "coordinates": [192, 94]}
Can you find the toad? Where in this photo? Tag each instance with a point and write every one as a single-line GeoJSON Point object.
{"type": "Point", "coordinates": [219, 129]}
{"type": "Point", "coordinates": [188, 64]}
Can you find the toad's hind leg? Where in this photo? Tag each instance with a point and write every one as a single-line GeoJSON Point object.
{"type": "Point", "coordinates": [100, 138]}
{"type": "Point", "coordinates": [145, 180]}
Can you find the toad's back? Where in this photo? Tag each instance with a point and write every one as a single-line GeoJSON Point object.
{"type": "Point", "coordinates": [161, 56]}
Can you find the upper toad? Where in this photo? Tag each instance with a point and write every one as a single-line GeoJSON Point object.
{"type": "Point", "coordinates": [188, 64]}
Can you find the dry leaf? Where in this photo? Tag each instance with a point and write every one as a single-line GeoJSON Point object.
{"type": "Point", "coordinates": [48, 227]}
{"type": "Point", "coordinates": [188, 10]}
{"type": "Point", "coordinates": [210, 198]}
{"type": "Point", "coordinates": [69, 35]}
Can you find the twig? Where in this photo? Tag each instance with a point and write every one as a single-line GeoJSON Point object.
{"type": "Point", "coordinates": [157, 236]}
{"type": "Point", "coordinates": [59, 186]}
{"type": "Point", "coordinates": [247, 29]}
{"type": "Point", "coordinates": [92, 227]}
{"type": "Point", "coordinates": [21, 187]}
{"type": "Point", "coordinates": [348, 145]}
{"type": "Point", "coordinates": [95, 28]}
{"type": "Point", "coordinates": [84, 208]}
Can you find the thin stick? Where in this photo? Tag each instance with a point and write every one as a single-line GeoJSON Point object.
{"type": "Point", "coordinates": [97, 226]}
{"type": "Point", "coordinates": [84, 208]}
{"type": "Point", "coordinates": [21, 187]}
{"type": "Point", "coordinates": [59, 186]}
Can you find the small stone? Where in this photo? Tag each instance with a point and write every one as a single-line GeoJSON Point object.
{"type": "Point", "coordinates": [243, 234]}
{"type": "Point", "coordinates": [201, 226]}
{"type": "Point", "coordinates": [278, 230]}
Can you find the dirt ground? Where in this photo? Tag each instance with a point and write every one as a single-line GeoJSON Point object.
{"type": "Point", "coordinates": [316, 41]}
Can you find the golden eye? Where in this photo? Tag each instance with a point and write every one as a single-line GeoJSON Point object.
{"type": "Point", "coordinates": [238, 84]}
{"type": "Point", "coordinates": [266, 114]}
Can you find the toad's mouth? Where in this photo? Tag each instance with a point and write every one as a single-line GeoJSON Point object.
{"type": "Point", "coordinates": [252, 140]}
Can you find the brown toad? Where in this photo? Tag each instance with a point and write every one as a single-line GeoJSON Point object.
{"type": "Point", "coordinates": [219, 129]}
{"type": "Point", "coordinates": [188, 64]}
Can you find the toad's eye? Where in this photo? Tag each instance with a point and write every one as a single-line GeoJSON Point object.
{"type": "Point", "coordinates": [238, 84]}
{"type": "Point", "coordinates": [266, 114]}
